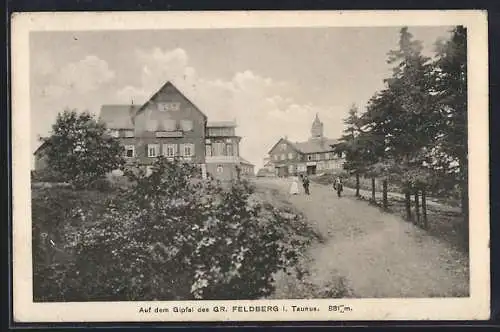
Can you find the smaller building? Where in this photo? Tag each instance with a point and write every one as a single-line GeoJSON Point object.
{"type": "Point", "coordinates": [41, 157]}
{"type": "Point", "coordinates": [222, 155]}
{"type": "Point", "coordinates": [313, 156]}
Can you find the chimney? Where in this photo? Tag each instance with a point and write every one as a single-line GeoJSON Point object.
{"type": "Point", "coordinates": [132, 111]}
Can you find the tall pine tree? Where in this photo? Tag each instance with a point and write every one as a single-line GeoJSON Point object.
{"type": "Point", "coordinates": [451, 98]}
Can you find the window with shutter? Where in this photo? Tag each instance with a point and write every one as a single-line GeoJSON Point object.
{"type": "Point", "coordinates": [152, 150]}
{"type": "Point", "coordinates": [188, 150]}
{"type": "Point", "coordinates": [169, 150]}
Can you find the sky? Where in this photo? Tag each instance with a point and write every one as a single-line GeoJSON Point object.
{"type": "Point", "coordinates": [272, 81]}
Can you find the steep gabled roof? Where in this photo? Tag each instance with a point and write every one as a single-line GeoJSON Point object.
{"type": "Point", "coordinates": [310, 146]}
{"type": "Point", "coordinates": [118, 116]}
{"type": "Point", "coordinates": [42, 147]}
{"type": "Point", "coordinates": [284, 140]}
{"type": "Point", "coordinates": [170, 84]}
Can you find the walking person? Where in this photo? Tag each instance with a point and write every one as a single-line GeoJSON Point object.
{"type": "Point", "coordinates": [339, 186]}
{"type": "Point", "coordinates": [294, 187]}
{"type": "Point", "coordinates": [305, 183]}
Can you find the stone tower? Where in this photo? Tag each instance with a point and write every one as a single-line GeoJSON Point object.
{"type": "Point", "coordinates": [317, 128]}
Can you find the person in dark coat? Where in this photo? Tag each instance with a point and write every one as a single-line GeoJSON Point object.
{"type": "Point", "coordinates": [339, 186]}
{"type": "Point", "coordinates": [305, 183]}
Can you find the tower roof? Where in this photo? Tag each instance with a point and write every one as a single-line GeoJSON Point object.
{"type": "Point", "coordinates": [316, 128]}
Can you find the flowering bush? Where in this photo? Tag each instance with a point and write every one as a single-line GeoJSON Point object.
{"type": "Point", "coordinates": [172, 235]}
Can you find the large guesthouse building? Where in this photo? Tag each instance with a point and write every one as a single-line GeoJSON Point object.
{"type": "Point", "coordinates": [313, 156]}
{"type": "Point", "coordinates": [169, 124]}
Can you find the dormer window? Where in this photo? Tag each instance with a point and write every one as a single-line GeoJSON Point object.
{"type": "Point", "coordinates": [169, 107]}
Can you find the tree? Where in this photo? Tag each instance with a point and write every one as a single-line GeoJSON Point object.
{"type": "Point", "coordinates": [351, 146]}
{"type": "Point", "coordinates": [451, 97]}
{"type": "Point", "coordinates": [79, 149]}
{"type": "Point", "coordinates": [414, 119]}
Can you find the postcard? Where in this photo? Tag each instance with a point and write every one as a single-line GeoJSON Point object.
{"type": "Point", "coordinates": [250, 166]}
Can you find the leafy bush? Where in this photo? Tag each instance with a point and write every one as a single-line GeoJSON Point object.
{"type": "Point", "coordinates": [80, 150]}
{"type": "Point", "coordinates": [45, 175]}
{"type": "Point", "coordinates": [174, 236]}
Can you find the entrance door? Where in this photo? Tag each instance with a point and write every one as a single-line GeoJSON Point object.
{"type": "Point", "coordinates": [311, 170]}
{"type": "Point", "coordinates": [282, 171]}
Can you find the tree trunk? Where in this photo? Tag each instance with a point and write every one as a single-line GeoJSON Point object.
{"type": "Point", "coordinates": [373, 190]}
{"type": "Point", "coordinates": [408, 204]}
{"type": "Point", "coordinates": [424, 209]}
{"type": "Point", "coordinates": [417, 208]}
{"type": "Point", "coordinates": [357, 184]}
{"type": "Point", "coordinates": [384, 194]}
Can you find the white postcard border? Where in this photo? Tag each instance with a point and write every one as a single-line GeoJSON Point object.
{"type": "Point", "coordinates": [477, 306]}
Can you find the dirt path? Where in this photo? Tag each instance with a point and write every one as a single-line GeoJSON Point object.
{"type": "Point", "coordinates": [379, 254]}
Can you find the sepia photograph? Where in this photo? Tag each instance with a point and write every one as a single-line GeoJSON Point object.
{"type": "Point", "coordinates": [256, 171]}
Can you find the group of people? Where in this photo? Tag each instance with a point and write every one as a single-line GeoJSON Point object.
{"type": "Point", "coordinates": [338, 186]}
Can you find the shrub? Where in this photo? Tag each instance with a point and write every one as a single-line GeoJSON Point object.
{"type": "Point", "coordinates": [80, 150]}
{"type": "Point", "coordinates": [45, 175]}
{"type": "Point", "coordinates": [174, 236]}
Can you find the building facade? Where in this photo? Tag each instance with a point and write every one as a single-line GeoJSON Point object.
{"type": "Point", "coordinates": [222, 153]}
{"type": "Point", "coordinates": [170, 125]}
{"type": "Point", "coordinates": [316, 155]}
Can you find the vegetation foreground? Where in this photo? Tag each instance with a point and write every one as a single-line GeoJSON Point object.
{"type": "Point", "coordinates": [166, 236]}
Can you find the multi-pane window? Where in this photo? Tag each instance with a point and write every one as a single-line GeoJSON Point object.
{"type": "Point", "coordinates": [229, 150]}
{"type": "Point", "coordinates": [114, 133]}
{"type": "Point", "coordinates": [214, 131]}
{"type": "Point", "coordinates": [169, 150]}
{"type": "Point", "coordinates": [327, 156]}
{"type": "Point", "coordinates": [218, 148]}
{"type": "Point", "coordinates": [186, 125]}
{"type": "Point", "coordinates": [129, 151]}
{"type": "Point", "coordinates": [187, 150]}
{"type": "Point", "coordinates": [290, 169]}
{"type": "Point", "coordinates": [290, 155]}
{"type": "Point", "coordinates": [283, 157]}
{"type": "Point", "coordinates": [153, 150]}
{"type": "Point", "coordinates": [165, 107]}
{"type": "Point", "coordinates": [283, 146]}
{"type": "Point", "coordinates": [276, 157]}
{"type": "Point", "coordinates": [208, 150]}
{"type": "Point", "coordinates": [317, 156]}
